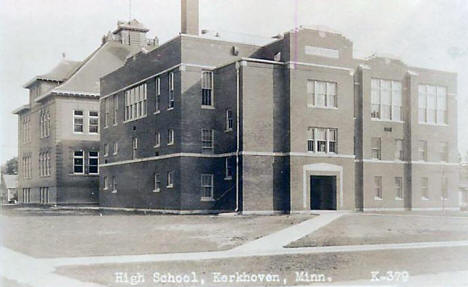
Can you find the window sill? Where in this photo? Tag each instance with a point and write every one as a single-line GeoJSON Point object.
{"type": "Point", "coordinates": [116, 124]}
{"type": "Point", "coordinates": [157, 112]}
{"type": "Point", "coordinates": [132, 120]}
{"type": "Point", "coordinates": [93, 133]}
{"type": "Point", "coordinates": [115, 154]}
{"type": "Point", "coordinates": [207, 107]}
{"type": "Point", "coordinates": [228, 178]}
{"type": "Point", "coordinates": [157, 146]}
{"type": "Point", "coordinates": [169, 144]}
{"type": "Point", "coordinates": [433, 124]}
{"type": "Point", "coordinates": [424, 198]}
{"type": "Point", "coordinates": [378, 198]}
{"type": "Point", "coordinates": [156, 190]}
{"type": "Point", "coordinates": [321, 107]}
{"type": "Point", "coordinates": [80, 133]}
{"type": "Point", "coordinates": [170, 109]}
{"type": "Point", "coordinates": [398, 198]}
{"type": "Point", "coordinates": [228, 131]}
{"type": "Point", "coordinates": [443, 199]}
{"type": "Point", "coordinates": [387, 121]}
{"type": "Point", "coordinates": [207, 199]}
{"type": "Point", "coordinates": [114, 191]}
{"type": "Point", "coordinates": [170, 186]}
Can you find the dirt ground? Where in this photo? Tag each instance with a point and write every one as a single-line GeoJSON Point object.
{"type": "Point", "coordinates": [76, 234]}
{"type": "Point", "coordinates": [337, 266]}
{"type": "Point", "coordinates": [386, 228]}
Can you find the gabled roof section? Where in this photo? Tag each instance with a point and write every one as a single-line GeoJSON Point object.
{"type": "Point", "coordinates": [21, 109]}
{"type": "Point", "coordinates": [59, 73]}
{"type": "Point", "coordinates": [10, 180]}
{"type": "Point", "coordinates": [85, 79]}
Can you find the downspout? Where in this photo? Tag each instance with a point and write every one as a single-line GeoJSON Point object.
{"type": "Point", "coordinates": [237, 134]}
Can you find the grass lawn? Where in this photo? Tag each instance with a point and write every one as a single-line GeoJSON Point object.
{"type": "Point", "coordinates": [79, 234]}
{"type": "Point", "coordinates": [337, 266]}
{"type": "Point", "coordinates": [374, 229]}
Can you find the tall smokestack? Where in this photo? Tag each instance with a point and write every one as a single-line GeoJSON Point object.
{"type": "Point", "coordinates": [189, 17]}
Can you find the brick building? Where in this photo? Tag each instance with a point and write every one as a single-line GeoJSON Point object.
{"type": "Point", "coordinates": [202, 124]}
{"type": "Point", "coordinates": [58, 144]}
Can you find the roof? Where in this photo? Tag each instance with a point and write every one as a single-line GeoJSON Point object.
{"type": "Point", "coordinates": [85, 79]}
{"type": "Point", "coordinates": [132, 25]}
{"type": "Point", "coordinates": [20, 109]}
{"type": "Point", "coordinates": [59, 73]}
{"type": "Point", "coordinates": [10, 180]}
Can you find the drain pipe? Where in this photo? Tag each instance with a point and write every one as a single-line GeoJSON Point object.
{"type": "Point", "coordinates": [237, 134]}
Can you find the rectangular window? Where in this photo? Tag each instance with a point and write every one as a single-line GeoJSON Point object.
{"type": "Point", "coordinates": [171, 98]}
{"type": "Point", "coordinates": [424, 188]}
{"type": "Point", "coordinates": [116, 148]}
{"type": "Point", "coordinates": [134, 148]}
{"type": "Point", "coordinates": [106, 111]}
{"type": "Point", "coordinates": [106, 150]}
{"type": "Point", "coordinates": [228, 174]}
{"type": "Point", "coordinates": [106, 183]}
{"type": "Point", "coordinates": [386, 100]}
{"type": "Point", "coordinates": [229, 120]}
{"type": "Point", "coordinates": [78, 121]}
{"type": "Point", "coordinates": [157, 139]}
{"type": "Point", "coordinates": [321, 94]}
{"type": "Point", "coordinates": [422, 150]}
{"type": "Point", "coordinates": [48, 164]}
{"type": "Point", "coordinates": [170, 137]}
{"type": "Point", "coordinates": [399, 149]}
{"type": "Point", "coordinates": [398, 188]}
{"type": "Point", "coordinates": [207, 187]}
{"type": "Point", "coordinates": [93, 162]}
{"type": "Point", "coordinates": [116, 109]}
{"type": "Point", "coordinates": [444, 154]}
{"type": "Point", "coordinates": [78, 162]}
{"type": "Point", "coordinates": [135, 102]}
{"type": "Point", "coordinates": [322, 140]}
{"type": "Point", "coordinates": [376, 148]}
{"type": "Point", "coordinates": [444, 188]}
{"type": "Point", "coordinates": [93, 122]}
{"type": "Point", "coordinates": [207, 138]}
{"type": "Point", "coordinates": [157, 183]}
{"type": "Point", "coordinates": [432, 104]}
{"type": "Point", "coordinates": [157, 102]}
{"type": "Point", "coordinates": [378, 187]}
{"type": "Point", "coordinates": [207, 88]}
{"type": "Point", "coordinates": [114, 184]}
{"type": "Point", "coordinates": [170, 179]}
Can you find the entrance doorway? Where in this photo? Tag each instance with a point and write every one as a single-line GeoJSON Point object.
{"type": "Point", "coordinates": [323, 192]}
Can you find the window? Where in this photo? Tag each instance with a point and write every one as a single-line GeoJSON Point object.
{"type": "Point", "coordinates": [321, 94]}
{"type": "Point", "coordinates": [376, 148]}
{"type": "Point", "coordinates": [228, 167]}
{"type": "Point", "coordinates": [170, 179]}
{"type": "Point", "coordinates": [26, 167]}
{"type": "Point", "coordinates": [157, 139]}
{"type": "Point", "coordinates": [422, 150]}
{"type": "Point", "coordinates": [106, 183]}
{"type": "Point", "coordinates": [386, 100]}
{"type": "Point", "coordinates": [44, 119]}
{"type": "Point", "coordinates": [115, 102]}
{"type": "Point", "coordinates": [114, 184]}
{"type": "Point", "coordinates": [43, 195]}
{"type": "Point", "coordinates": [424, 188]}
{"type": "Point", "coordinates": [106, 112]}
{"type": "Point", "coordinates": [26, 129]}
{"type": "Point", "coordinates": [398, 188]}
{"type": "Point", "coordinates": [157, 102]}
{"type": "Point", "coordinates": [157, 183]}
{"type": "Point", "coordinates": [170, 137]}
{"type": "Point", "coordinates": [135, 102]}
{"type": "Point", "coordinates": [106, 150]}
{"type": "Point", "coordinates": [322, 140]}
{"type": "Point", "coordinates": [432, 104]}
{"type": "Point", "coordinates": [399, 149]}
{"type": "Point", "coordinates": [229, 120]}
{"type": "Point", "coordinates": [171, 99]}
{"type": "Point", "coordinates": [26, 195]}
{"type": "Point", "coordinates": [78, 162]}
{"type": "Point", "coordinates": [78, 121]}
{"type": "Point", "coordinates": [116, 148]}
{"type": "Point", "coordinates": [444, 188]}
{"type": "Point", "coordinates": [44, 164]}
{"type": "Point", "coordinates": [134, 148]}
{"type": "Point", "coordinates": [93, 121]}
{"type": "Point", "coordinates": [378, 187]}
{"type": "Point", "coordinates": [207, 187]}
{"type": "Point", "coordinates": [207, 88]}
{"type": "Point", "coordinates": [444, 151]}
{"type": "Point", "coordinates": [207, 138]}
{"type": "Point", "coordinates": [93, 162]}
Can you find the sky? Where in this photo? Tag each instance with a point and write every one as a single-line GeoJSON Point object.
{"type": "Point", "coordinates": [34, 35]}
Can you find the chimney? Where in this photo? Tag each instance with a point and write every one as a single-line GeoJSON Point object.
{"type": "Point", "coordinates": [189, 17]}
